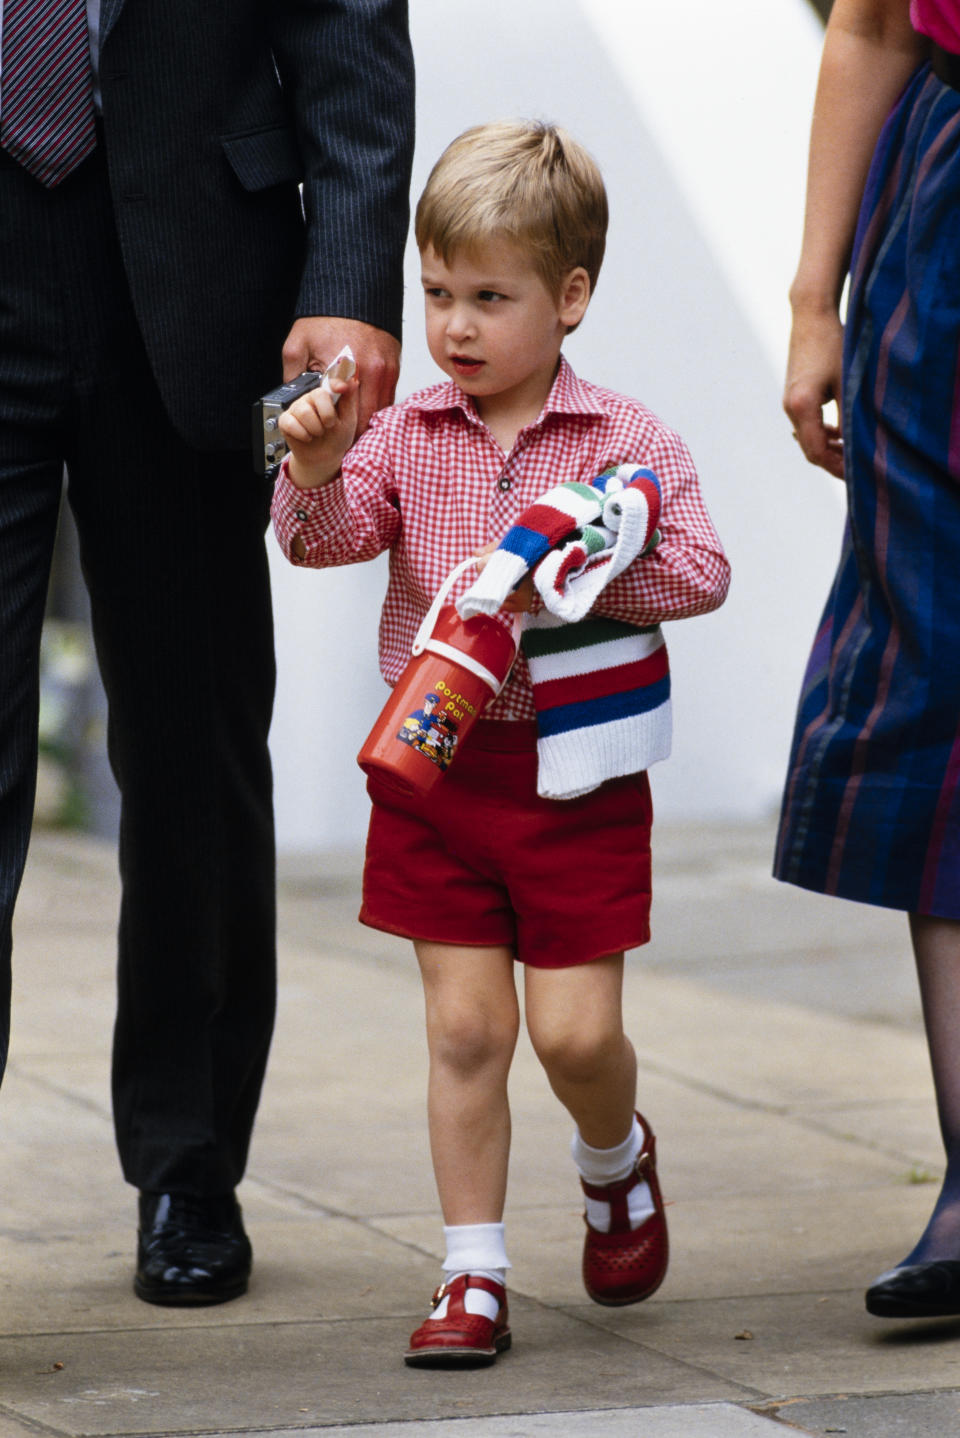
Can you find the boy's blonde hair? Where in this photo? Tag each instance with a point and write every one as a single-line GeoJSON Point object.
{"type": "Point", "coordinates": [524, 180]}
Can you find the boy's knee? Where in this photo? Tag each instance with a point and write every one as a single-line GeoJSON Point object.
{"type": "Point", "coordinates": [466, 1043]}
{"type": "Point", "coordinates": [576, 1055]}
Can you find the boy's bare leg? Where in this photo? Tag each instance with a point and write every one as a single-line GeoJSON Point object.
{"type": "Point", "coordinates": [472, 1024]}
{"type": "Point", "coordinates": [575, 1022]}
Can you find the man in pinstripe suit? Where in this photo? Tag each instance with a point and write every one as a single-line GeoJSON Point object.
{"type": "Point", "coordinates": [145, 299]}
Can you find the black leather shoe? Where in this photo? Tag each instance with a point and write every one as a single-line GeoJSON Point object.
{"type": "Point", "coordinates": [918, 1290]}
{"type": "Point", "coordinates": [191, 1251]}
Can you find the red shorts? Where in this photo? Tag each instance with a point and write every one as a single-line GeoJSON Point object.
{"type": "Point", "coordinates": [483, 860]}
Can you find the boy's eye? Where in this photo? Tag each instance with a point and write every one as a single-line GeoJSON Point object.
{"type": "Point", "coordinates": [489, 295]}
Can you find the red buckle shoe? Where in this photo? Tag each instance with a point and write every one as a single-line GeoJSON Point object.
{"type": "Point", "coordinates": [461, 1339]}
{"type": "Point", "coordinates": [627, 1264]}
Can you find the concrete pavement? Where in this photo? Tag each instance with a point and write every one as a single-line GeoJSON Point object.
{"type": "Point", "coordinates": [781, 1064]}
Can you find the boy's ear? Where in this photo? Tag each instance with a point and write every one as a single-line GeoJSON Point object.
{"type": "Point", "coordinates": [574, 296]}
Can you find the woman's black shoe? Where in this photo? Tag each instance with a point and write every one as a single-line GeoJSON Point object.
{"type": "Point", "coordinates": [191, 1251]}
{"type": "Point", "coordinates": [918, 1290]}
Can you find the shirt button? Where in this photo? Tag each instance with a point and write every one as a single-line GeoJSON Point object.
{"type": "Point", "coordinates": [503, 483]}
{"type": "Point", "coordinates": [300, 514]}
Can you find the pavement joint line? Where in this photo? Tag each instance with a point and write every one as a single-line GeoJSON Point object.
{"type": "Point", "coordinates": [782, 1422]}
{"type": "Point", "coordinates": [578, 1312]}
{"type": "Point", "coordinates": [34, 1425]}
{"type": "Point", "coordinates": [749, 1390]}
{"type": "Point", "coordinates": [370, 1223]}
{"type": "Point", "coordinates": [218, 1432]}
{"type": "Point", "coordinates": [312, 1321]}
{"type": "Point", "coordinates": [818, 1291]}
{"type": "Point", "coordinates": [366, 1222]}
{"type": "Point", "coordinates": [772, 1406]}
{"type": "Point", "coordinates": [312, 1426]}
{"type": "Point", "coordinates": [782, 1111]}
{"type": "Point", "coordinates": [28, 1235]}
{"type": "Point", "coordinates": [340, 1424]}
{"type": "Point", "coordinates": [309, 1205]}
{"type": "Point", "coordinates": [79, 1100]}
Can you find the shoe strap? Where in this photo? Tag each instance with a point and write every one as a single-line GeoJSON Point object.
{"type": "Point", "coordinates": [455, 1291]}
{"type": "Point", "coordinates": [616, 1193]}
{"type": "Point", "coordinates": [610, 1192]}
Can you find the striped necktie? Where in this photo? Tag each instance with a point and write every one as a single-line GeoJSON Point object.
{"type": "Point", "coordinates": [46, 102]}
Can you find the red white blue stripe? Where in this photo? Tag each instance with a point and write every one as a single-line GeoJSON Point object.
{"type": "Point", "coordinates": [46, 105]}
{"type": "Point", "coordinates": [602, 694]}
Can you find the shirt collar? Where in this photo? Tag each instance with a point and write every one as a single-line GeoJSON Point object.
{"type": "Point", "coordinates": [568, 395]}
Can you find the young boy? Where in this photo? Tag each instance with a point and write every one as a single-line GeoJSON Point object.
{"type": "Point", "coordinates": [511, 229]}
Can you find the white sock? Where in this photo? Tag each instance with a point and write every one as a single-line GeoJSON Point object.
{"type": "Point", "coordinates": [602, 1166]}
{"type": "Point", "coordinates": [476, 1248]}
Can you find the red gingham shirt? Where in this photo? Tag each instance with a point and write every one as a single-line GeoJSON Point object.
{"type": "Point", "coordinates": [429, 482]}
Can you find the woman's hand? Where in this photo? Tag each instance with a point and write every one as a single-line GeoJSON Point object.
{"type": "Point", "coordinates": [814, 369]}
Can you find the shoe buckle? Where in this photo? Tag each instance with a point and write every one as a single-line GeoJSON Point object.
{"type": "Point", "coordinates": [643, 1164]}
{"type": "Point", "coordinates": [439, 1295]}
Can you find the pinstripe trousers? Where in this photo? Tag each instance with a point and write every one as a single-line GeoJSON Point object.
{"type": "Point", "coordinates": [181, 614]}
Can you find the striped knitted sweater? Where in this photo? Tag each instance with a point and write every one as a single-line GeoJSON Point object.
{"type": "Point", "coordinates": [601, 687]}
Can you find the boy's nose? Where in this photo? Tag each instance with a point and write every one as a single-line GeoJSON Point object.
{"type": "Point", "coordinates": [459, 322]}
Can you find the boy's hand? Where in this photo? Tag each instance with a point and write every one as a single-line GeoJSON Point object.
{"type": "Point", "coordinates": [313, 339]}
{"type": "Point", "coordinates": [521, 601]}
{"type": "Point", "coordinates": [319, 431]}
{"type": "Point", "coordinates": [522, 598]}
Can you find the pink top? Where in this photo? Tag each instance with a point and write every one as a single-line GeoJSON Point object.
{"type": "Point", "coordinates": [940, 19]}
{"type": "Point", "coordinates": [429, 482]}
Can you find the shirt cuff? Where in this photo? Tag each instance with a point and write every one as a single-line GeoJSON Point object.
{"type": "Point", "coordinates": [304, 518]}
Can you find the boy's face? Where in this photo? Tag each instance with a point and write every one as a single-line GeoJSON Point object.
{"type": "Point", "coordinates": [495, 328]}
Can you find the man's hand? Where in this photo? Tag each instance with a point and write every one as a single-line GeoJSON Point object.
{"type": "Point", "coordinates": [314, 341]}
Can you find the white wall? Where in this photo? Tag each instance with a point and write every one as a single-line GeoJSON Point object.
{"type": "Point", "coordinates": [698, 114]}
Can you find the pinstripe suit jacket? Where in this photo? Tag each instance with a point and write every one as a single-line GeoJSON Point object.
{"type": "Point", "coordinates": [213, 111]}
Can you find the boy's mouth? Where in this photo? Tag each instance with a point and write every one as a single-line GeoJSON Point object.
{"type": "Point", "coordinates": [464, 365]}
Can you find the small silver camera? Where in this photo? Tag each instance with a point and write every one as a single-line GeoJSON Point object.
{"type": "Point", "coordinates": [269, 445]}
